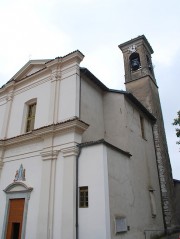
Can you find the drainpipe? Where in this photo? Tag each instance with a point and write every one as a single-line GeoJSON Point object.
{"type": "Point", "coordinates": [77, 184]}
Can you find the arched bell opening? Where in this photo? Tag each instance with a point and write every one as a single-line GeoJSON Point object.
{"type": "Point", "coordinates": [135, 62]}
{"type": "Point", "coordinates": [150, 66]}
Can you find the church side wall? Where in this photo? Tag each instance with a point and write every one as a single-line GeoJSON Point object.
{"type": "Point", "coordinates": [94, 220]}
{"type": "Point", "coordinates": [115, 120]}
{"type": "Point", "coordinates": [130, 196]}
{"type": "Point", "coordinates": [91, 110]}
{"type": "Point", "coordinates": [123, 129]}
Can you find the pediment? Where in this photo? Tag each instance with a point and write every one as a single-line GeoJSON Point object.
{"type": "Point", "coordinates": [30, 68]}
{"type": "Point", "coordinates": [18, 187]}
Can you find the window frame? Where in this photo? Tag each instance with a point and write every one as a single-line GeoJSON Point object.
{"type": "Point", "coordinates": [25, 114]}
{"type": "Point", "coordinates": [83, 197]}
{"type": "Point", "coordinates": [30, 120]}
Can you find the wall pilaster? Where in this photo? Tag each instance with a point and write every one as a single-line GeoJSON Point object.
{"type": "Point", "coordinates": [54, 104]}
{"type": "Point", "coordinates": [46, 207]}
{"type": "Point", "coordinates": [69, 193]}
{"type": "Point", "coordinates": [9, 100]}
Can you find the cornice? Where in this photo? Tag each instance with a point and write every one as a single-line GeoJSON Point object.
{"type": "Point", "coordinates": [75, 56]}
{"type": "Point", "coordinates": [22, 88]}
{"type": "Point", "coordinates": [71, 125]}
{"type": "Point", "coordinates": [70, 151]}
{"type": "Point", "coordinates": [49, 155]}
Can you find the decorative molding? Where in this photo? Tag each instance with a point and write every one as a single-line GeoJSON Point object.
{"type": "Point", "coordinates": [7, 87]}
{"type": "Point", "coordinates": [55, 76]}
{"type": "Point", "coordinates": [70, 151]}
{"type": "Point", "coordinates": [9, 96]}
{"type": "Point", "coordinates": [3, 100]}
{"type": "Point", "coordinates": [75, 57]}
{"type": "Point", "coordinates": [17, 187]}
{"type": "Point", "coordinates": [72, 70]}
{"type": "Point", "coordinates": [49, 155]}
{"type": "Point", "coordinates": [30, 84]}
{"type": "Point", "coordinates": [71, 125]}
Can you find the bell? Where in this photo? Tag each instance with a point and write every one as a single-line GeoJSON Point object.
{"type": "Point", "coordinates": [135, 64]}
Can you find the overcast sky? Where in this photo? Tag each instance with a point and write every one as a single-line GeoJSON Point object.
{"type": "Point", "coordinates": [36, 29]}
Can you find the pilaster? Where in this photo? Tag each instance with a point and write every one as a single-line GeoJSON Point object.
{"type": "Point", "coordinates": [46, 207]}
{"type": "Point", "coordinates": [69, 193]}
{"type": "Point", "coordinates": [55, 88]}
{"type": "Point", "coordinates": [9, 100]}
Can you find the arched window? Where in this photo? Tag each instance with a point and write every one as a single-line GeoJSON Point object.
{"type": "Point", "coordinates": [135, 63]}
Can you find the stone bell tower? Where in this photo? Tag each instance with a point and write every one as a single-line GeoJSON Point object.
{"type": "Point", "coordinates": [140, 81]}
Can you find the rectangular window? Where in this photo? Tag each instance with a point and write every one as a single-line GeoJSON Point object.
{"type": "Point", "coordinates": [153, 203]}
{"type": "Point", "coordinates": [142, 126]}
{"type": "Point", "coordinates": [83, 197]}
{"type": "Point", "coordinates": [31, 117]}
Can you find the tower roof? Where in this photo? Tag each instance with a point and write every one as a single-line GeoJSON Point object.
{"type": "Point", "coordinates": [142, 37]}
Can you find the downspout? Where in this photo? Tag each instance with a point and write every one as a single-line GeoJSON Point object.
{"type": "Point", "coordinates": [77, 184]}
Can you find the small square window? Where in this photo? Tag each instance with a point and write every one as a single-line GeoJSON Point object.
{"type": "Point", "coordinates": [83, 197]}
{"type": "Point", "coordinates": [31, 117]}
{"type": "Point", "coordinates": [120, 225]}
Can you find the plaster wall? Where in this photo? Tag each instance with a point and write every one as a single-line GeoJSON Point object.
{"type": "Point", "coordinates": [94, 220]}
{"type": "Point", "coordinates": [115, 120]}
{"type": "Point", "coordinates": [138, 174]}
{"type": "Point", "coordinates": [50, 179]}
{"type": "Point", "coordinates": [31, 161]}
{"type": "Point", "coordinates": [91, 110]}
{"type": "Point", "coordinates": [57, 100]}
{"type": "Point", "coordinates": [129, 197]}
{"type": "Point", "coordinates": [69, 98]}
{"type": "Point", "coordinates": [143, 168]}
{"type": "Point", "coordinates": [34, 69]}
{"type": "Point", "coordinates": [18, 114]}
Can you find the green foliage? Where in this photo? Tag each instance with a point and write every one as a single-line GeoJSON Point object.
{"type": "Point", "coordinates": [177, 122]}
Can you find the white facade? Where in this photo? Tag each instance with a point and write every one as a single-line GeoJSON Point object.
{"type": "Point", "coordinates": [84, 135]}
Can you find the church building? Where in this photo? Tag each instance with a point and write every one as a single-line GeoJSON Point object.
{"type": "Point", "coordinates": [79, 160]}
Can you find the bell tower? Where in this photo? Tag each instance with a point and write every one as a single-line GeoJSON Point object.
{"type": "Point", "coordinates": [140, 81]}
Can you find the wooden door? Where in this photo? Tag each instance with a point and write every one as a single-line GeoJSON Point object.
{"type": "Point", "coordinates": [15, 218]}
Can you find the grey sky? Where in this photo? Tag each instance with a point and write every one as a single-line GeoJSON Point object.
{"type": "Point", "coordinates": [39, 29]}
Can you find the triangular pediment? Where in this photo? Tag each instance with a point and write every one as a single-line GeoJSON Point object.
{"type": "Point", "coordinates": [31, 67]}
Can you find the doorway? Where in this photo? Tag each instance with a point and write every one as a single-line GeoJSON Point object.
{"type": "Point", "coordinates": [15, 218]}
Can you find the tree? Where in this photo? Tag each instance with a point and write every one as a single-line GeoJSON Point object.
{"type": "Point", "coordinates": [177, 122]}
